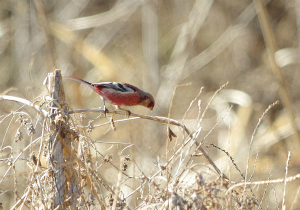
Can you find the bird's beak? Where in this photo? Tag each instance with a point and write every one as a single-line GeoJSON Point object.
{"type": "Point", "coordinates": [151, 108]}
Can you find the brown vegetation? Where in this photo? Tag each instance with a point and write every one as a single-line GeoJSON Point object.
{"type": "Point", "coordinates": [206, 145]}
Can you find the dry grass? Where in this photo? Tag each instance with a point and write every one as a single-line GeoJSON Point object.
{"type": "Point", "coordinates": [203, 147]}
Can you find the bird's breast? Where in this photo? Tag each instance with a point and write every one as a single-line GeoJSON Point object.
{"type": "Point", "coordinates": [119, 98]}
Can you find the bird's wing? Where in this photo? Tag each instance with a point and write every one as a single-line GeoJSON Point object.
{"type": "Point", "coordinates": [123, 88]}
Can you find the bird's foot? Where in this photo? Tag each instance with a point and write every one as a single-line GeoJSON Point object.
{"type": "Point", "coordinates": [128, 113]}
{"type": "Point", "coordinates": [105, 111]}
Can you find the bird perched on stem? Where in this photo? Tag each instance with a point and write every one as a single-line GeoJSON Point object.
{"type": "Point", "coordinates": [120, 94]}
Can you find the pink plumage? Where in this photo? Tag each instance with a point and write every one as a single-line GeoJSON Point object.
{"type": "Point", "coordinates": [120, 94]}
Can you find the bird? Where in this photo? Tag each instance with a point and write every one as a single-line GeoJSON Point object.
{"type": "Point", "coordinates": [120, 94]}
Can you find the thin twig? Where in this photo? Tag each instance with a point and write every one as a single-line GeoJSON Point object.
{"type": "Point", "coordinates": [25, 102]}
{"type": "Point", "coordinates": [19, 155]}
{"type": "Point", "coordinates": [285, 177]}
{"type": "Point", "coordinates": [252, 139]}
{"type": "Point", "coordinates": [117, 189]}
{"type": "Point", "coordinates": [163, 120]}
{"type": "Point", "coordinates": [290, 179]}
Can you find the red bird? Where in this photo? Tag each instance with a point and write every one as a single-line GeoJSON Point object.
{"type": "Point", "coordinates": [120, 94]}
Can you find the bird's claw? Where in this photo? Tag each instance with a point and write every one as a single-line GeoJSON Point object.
{"type": "Point", "coordinates": [128, 113]}
{"type": "Point", "coordinates": [105, 111]}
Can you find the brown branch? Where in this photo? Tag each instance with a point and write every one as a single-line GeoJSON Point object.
{"type": "Point", "coordinates": [57, 157]}
{"type": "Point", "coordinates": [163, 120]}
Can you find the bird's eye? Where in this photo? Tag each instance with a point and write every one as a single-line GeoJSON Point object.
{"type": "Point", "coordinates": [151, 104]}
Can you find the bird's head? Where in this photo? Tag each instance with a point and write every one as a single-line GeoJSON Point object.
{"type": "Point", "coordinates": [147, 101]}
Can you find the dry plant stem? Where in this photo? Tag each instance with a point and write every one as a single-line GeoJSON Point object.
{"type": "Point", "coordinates": [134, 182]}
{"type": "Point", "coordinates": [230, 157]}
{"type": "Point", "coordinates": [25, 102]}
{"type": "Point", "coordinates": [43, 21]}
{"type": "Point", "coordinates": [57, 159]}
{"type": "Point", "coordinates": [182, 157]}
{"type": "Point", "coordinates": [173, 157]}
{"type": "Point", "coordinates": [167, 139]}
{"type": "Point", "coordinates": [271, 49]}
{"type": "Point", "coordinates": [19, 155]}
{"type": "Point", "coordinates": [252, 139]}
{"type": "Point", "coordinates": [264, 194]}
{"type": "Point", "coordinates": [117, 191]}
{"type": "Point", "coordinates": [210, 101]}
{"type": "Point", "coordinates": [60, 147]}
{"type": "Point", "coordinates": [161, 120]}
{"type": "Point", "coordinates": [191, 104]}
{"type": "Point", "coordinates": [22, 199]}
{"type": "Point", "coordinates": [296, 198]}
{"type": "Point", "coordinates": [284, 186]}
{"type": "Point", "coordinates": [289, 179]}
{"type": "Point", "coordinates": [11, 120]}
{"type": "Point", "coordinates": [70, 151]}
{"type": "Point", "coordinates": [150, 44]}
{"type": "Point", "coordinates": [254, 166]}
{"type": "Point", "coordinates": [15, 183]}
{"type": "Point", "coordinates": [180, 53]}
{"type": "Point", "coordinates": [225, 40]}
{"type": "Point", "coordinates": [202, 142]}
{"type": "Point", "coordinates": [273, 187]}
{"type": "Point", "coordinates": [29, 189]}
{"type": "Point", "coordinates": [123, 143]}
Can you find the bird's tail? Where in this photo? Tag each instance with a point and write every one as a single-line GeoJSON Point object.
{"type": "Point", "coordinates": [80, 80]}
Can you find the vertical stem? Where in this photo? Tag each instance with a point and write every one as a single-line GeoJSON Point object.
{"type": "Point", "coordinates": [151, 73]}
{"type": "Point", "coordinates": [271, 46]}
{"type": "Point", "coordinates": [57, 159]}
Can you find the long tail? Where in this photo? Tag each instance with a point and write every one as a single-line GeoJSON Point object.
{"type": "Point", "coordinates": [80, 80]}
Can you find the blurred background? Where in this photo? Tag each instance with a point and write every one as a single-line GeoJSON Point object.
{"type": "Point", "coordinates": [157, 45]}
